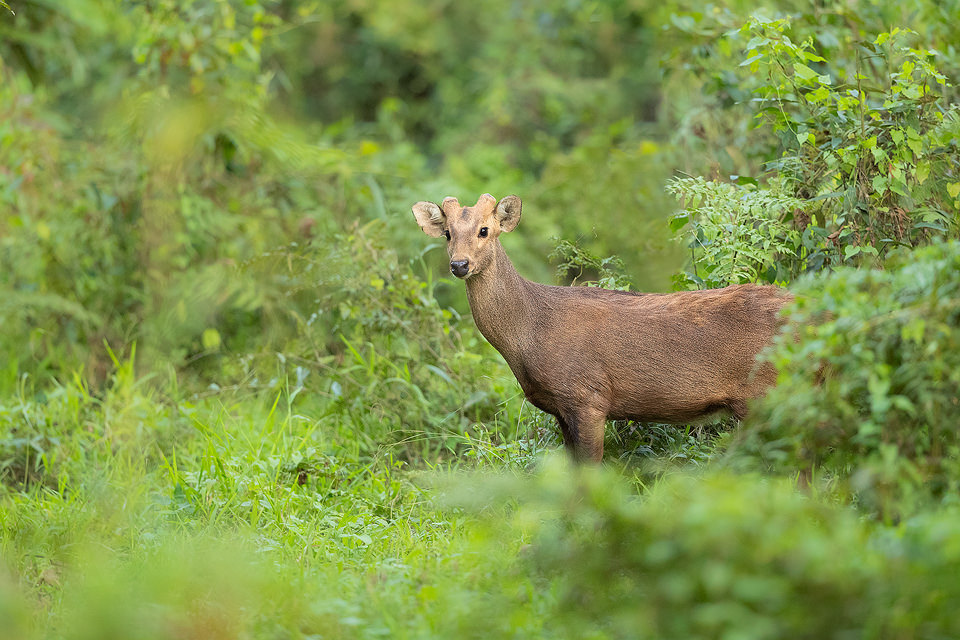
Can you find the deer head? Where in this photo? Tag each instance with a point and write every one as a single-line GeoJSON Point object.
{"type": "Point", "coordinates": [471, 232]}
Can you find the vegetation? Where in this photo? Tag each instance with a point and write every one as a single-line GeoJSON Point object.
{"type": "Point", "coordinates": [868, 393]}
{"type": "Point", "coordinates": [240, 397]}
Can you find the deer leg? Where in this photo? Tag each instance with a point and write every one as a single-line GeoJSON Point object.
{"type": "Point", "coordinates": [738, 408]}
{"type": "Point", "coordinates": [583, 434]}
{"type": "Point", "coordinates": [569, 437]}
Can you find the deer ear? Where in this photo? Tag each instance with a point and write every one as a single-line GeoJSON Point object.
{"type": "Point", "coordinates": [430, 218]}
{"type": "Point", "coordinates": [508, 213]}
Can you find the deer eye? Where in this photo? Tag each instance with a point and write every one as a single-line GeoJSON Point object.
{"type": "Point", "coordinates": [447, 233]}
{"type": "Point", "coordinates": [483, 232]}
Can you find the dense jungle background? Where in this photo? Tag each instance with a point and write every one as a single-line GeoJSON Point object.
{"type": "Point", "coordinates": [242, 397]}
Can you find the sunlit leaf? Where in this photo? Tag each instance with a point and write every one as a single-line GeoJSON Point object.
{"type": "Point", "coordinates": [803, 71]}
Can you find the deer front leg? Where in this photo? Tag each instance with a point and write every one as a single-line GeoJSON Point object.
{"type": "Point", "coordinates": [583, 434]}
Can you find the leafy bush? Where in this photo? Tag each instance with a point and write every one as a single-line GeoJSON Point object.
{"type": "Point", "coordinates": [398, 367]}
{"type": "Point", "coordinates": [576, 265]}
{"type": "Point", "coordinates": [63, 268]}
{"type": "Point", "coordinates": [868, 160]}
{"type": "Point", "coordinates": [705, 48]}
{"type": "Point", "coordinates": [720, 557]}
{"type": "Point", "coordinates": [868, 137]}
{"type": "Point", "coordinates": [737, 233]}
{"type": "Point", "coordinates": [709, 556]}
{"type": "Point", "coordinates": [867, 393]}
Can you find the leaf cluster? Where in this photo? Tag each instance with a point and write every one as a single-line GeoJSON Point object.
{"type": "Point", "coordinates": [717, 555]}
{"type": "Point", "coordinates": [867, 390]}
{"type": "Point", "coordinates": [867, 159]}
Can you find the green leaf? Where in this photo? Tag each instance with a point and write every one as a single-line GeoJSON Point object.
{"type": "Point", "coordinates": [923, 171]}
{"type": "Point", "coordinates": [896, 171]}
{"type": "Point", "coordinates": [849, 251]}
{"type": "Point", "coordinates": [751, 60]}
{"type": "Point", "coordinates": [818, 95]}
{"type": "Point", "coordinates": [879, 155]}
{"type": "Point", "coordinates": [443, 374]}
{"type": "Point", "coordinates": [929, 225]}
{"type": "Point", "coordinates": [210, 340]}
{"type": "Point", "coordinates": [914, 330]}
{"type": "Point", "coordinates": [899, 187]}
{"type": "Point", "coordinates": [823, 196]}
{"type": "Point", "coordinates": [803, 71]}
{"type": "Point", "coordinates": [904, 404]}
{"type": "Point", "coordinates": [679, 221]}
{"type": "Point", "coordinates": [953, 189]}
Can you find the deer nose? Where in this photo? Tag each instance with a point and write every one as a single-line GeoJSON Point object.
{"type": "Point", "coordinates": [460, 267]}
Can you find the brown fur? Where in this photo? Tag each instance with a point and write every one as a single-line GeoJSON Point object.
{"type": "Point", "coordinates": [586, 355]}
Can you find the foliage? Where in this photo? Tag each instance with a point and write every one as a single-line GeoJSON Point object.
{"type": "Point", "coordinates": [870, 142]}
{"type": "Point", "coordinates": [704, 46]}
{"type": "Point", "coordinates": [867, 395]}
{"type": "Point", "coordinates": [396, 366]}
{"type": "Point", "coordinates": [711, 556]}
{"type": "Point", "coordinates": [738, 233]}
{"type": "Point", "coordinates": [729, 557]}
{"type": "Point", "coordinates": [573, 262]}
{"type": "Point", "coordinates": [615, 175]}
{"type": "Point", "coordinates": [857, 148]}
{"type": "Point", "coordinates": [580, 67]}
{"type": "Point", "coordinates": [196, 44]}
{"type": "Point", "coordinates": [170, 514]}
{"type": "Point", "coordinates": [235, 377]}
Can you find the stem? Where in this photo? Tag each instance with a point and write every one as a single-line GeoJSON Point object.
{"type": "Point", "coordinates": [861, 99]}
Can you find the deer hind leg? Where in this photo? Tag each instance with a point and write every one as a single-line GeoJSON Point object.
{"type": "Point", "coordinates": [583, 434]}
{"type": "Point", "coordinates": [738, 408]}
{"type": "Point", "coordinates": [569, 437]}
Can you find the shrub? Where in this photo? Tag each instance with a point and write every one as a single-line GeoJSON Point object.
{"type": "Point", "coordinates": [715, 556]}
{"type": "Point", "coordinates": [860, 143]}
{"type": "Point", "coordinates": [737, 233]}
{"type": "Point", "coordinates": [867, 396]}
{"type": "Point", "coordinates": [867, 161]}
{"type": "Point", "coordinates": [718, 557]}
{"type": "Point", "coordinates": [398, 367]}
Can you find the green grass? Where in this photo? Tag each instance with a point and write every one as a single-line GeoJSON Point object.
{"type": "Point", "coordinates": [140, 513]}
{"type": "Point", "coordinates": [256, 513]}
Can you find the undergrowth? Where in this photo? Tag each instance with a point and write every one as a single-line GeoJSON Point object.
{"type": "Point", "coordinates": [238, 399]}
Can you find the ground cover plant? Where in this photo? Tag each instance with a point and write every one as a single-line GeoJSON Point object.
{"type": "Point", "coordinates": [240, 398]}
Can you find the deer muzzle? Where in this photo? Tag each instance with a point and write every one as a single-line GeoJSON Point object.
{"type": "Point", "coordinates": [459, 268]}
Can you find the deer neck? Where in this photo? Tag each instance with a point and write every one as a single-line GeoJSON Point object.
{"type": "Point", "coordinates": [500, 303]}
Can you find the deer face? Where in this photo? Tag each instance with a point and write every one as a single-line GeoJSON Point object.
{"type": "Point", "coordinates": [471, 232]}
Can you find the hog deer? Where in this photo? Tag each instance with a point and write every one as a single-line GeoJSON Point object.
{"type": "Point", "coordinates": [586, 355]}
